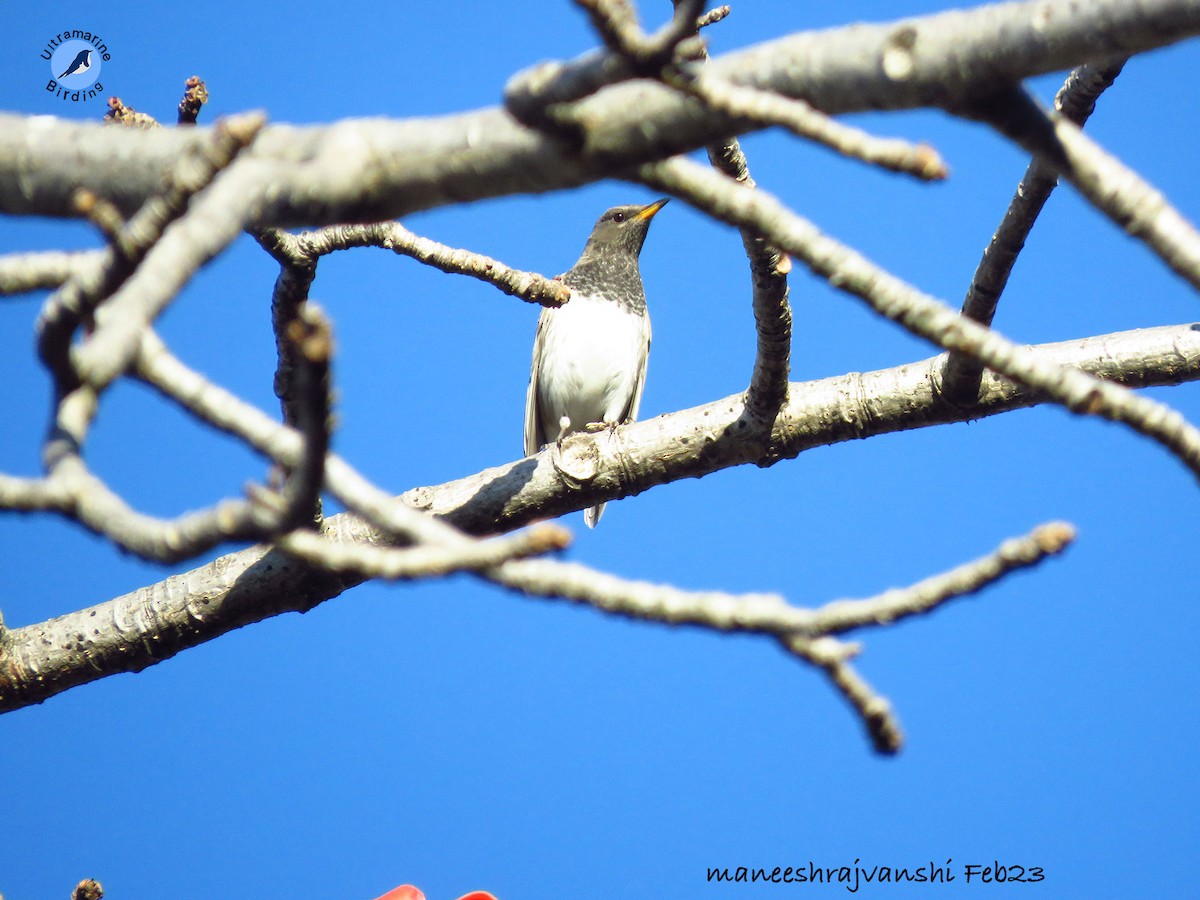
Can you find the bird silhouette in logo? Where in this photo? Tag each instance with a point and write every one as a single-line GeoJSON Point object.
{"type": "Point", "coordinates": [81, 63]}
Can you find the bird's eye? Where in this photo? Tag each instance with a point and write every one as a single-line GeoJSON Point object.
{"type": "Point", "coordinates": [618, 217]}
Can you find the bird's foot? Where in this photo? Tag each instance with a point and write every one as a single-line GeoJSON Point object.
{"type": "Point", "coordinates": [564, 428]}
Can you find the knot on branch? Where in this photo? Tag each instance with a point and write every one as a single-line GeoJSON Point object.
{"type": "Point", "coordinates": [577, 459]}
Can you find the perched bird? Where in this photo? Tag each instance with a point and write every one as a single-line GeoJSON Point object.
{"type": "Point", "coordinates": [81, 63]}
{"type": "Point", "coordinates": [589, 356]}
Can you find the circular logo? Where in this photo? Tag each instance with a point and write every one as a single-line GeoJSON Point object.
{"type": "Point", "coordinates": [75, 65]}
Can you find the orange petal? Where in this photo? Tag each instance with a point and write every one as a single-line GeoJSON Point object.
{"type": "Point", "coordinates": [404, 892]}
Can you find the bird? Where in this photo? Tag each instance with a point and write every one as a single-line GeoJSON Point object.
{"type": "Point", "coordinates": [589, 355]}
{"type": "Point", "coordinates": [81, 63]}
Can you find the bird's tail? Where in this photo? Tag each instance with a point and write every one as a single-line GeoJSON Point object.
{"type": "Point", "coordinates": [592, 516]}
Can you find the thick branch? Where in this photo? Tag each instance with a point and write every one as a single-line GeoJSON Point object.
{"type": "Point", "coordinates": [152, 624]}
{"type": "Point", "coordinates": [375, 170]}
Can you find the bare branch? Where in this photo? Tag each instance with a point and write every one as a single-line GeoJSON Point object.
{"type": "Point", "coordinates": [88, 286]}
{"type": "Point", "coordinates": [1076, 100]}
{"type": "Point", "coordinates": [33, 494]}
{"type": "Point", "coordinates": [104, 215]}
{"type": "Point", "coordinates": [248, 586]}
{"type": "Point", "coordinates": [871, 707]}
{"type": "Point", "coordinates": [769, 269]}
{"type": "Point", "coordinates": [97, 507]}
{"type": "Point", "coordinates": [161, 370]}
{"type": "Point", "coordinates": [86, 497]}
{"type": "Point", "coordinates": [529, 286]}
{"type": "Point", "coordinates": [370, 171]}
{"type": "Point", "coordinates": [1107, 183]}
{"type": "Point", "coordinates": [427, 561]}
{"type": "Point", "coordinates": [850, 271]}
{"type": "Point", "coordinates": [219, 209]}
{"type": "Point", "coordinates": [21, 273]}
{"type": "Point", "coordinates": [714, 15]}
{"type": "Point", "coordinates": [770, 614]}
{"type": "Point", "coordinates": [926, 596]}
{"type": "Point", "coordinates": [843, 615]}
{"type": "Point", "coordinates": [616, 23]}
{"type": "Point", "coordinates": [310, 338]}
{"type": "Point", "coordinates": [764, 109]}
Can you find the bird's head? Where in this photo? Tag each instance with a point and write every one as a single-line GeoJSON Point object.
{"type": "Point", "coordinates": [623, 227]}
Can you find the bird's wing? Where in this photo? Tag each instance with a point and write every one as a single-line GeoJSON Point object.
{"type": "Point", "coordinates": [533, 438]}
{"type": "Point", "coordinates": [639, 385]}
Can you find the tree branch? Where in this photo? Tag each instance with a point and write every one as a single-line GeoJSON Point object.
{"type": "Point", "coordinates": [152, 624]}
{"type": "Point", "coordinates": [1104, 181]}
{"type": "Point", "coordinates": [376, 170]}
{"type": "Point", "coordinates": [766, 109]}
{"type": "Point", "coordinates": [850, 271]}
{"type": "Point", "coordinates": [529, 286]}
{"type": "Point", "coordinates": [21, 273]}
{"type": "Point", "coordinates": [1075, 100]}
{"type": "Point", "coordinates": [769, 269]}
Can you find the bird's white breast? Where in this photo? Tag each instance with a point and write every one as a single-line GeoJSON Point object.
{"type": "Point", "coordinates": [594, 351]}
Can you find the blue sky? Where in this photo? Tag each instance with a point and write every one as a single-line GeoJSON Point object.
{"type": "Point", "coordinates": [458, 737]}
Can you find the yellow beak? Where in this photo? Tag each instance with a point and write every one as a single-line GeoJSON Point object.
{"type": "Point", "coordinates": [647, 212]}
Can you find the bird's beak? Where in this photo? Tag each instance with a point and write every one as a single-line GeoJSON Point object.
{"type": "Point", "coordinates": [647, 212]}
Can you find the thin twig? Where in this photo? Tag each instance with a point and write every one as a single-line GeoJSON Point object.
{"type": "Point", "coordinates": [221, 205]}
{"type": "Point", "coordinates": [83, 497]}
{"type": "Point", "coordinates": [925, 596]}
{"type": "Point", "coordinates": [850, 271]}
{"type": "Point", "coordinates": [21, 273]}
{"type": "Point", "coordinates": [350, 557]}
{"type": "Point", "coordinates": [1076, 100]}
{"type": "Point", "coordinates": [534, 97]}
{"type": "Point", "coordinates": [616, 23]}
{"type": "Point", "coordinates": [1109, 185]}
{"type": "Point", "coordinates": [872, 708]}
{"type": "Point", "coordinates": [770, 614]}
{"type": "Point", "coordinates": [102, 214]}
{"type": "Point", "coordinates": [33, 494]}
{"type": "Point", "coordinates": [714, 15]}
{"type": "Point", "coordinates": [529, 286]}
{"type": "Point", "coordinates": [77, 387]}
{"type": "Point", "coordinates": [284, 445]}
{"type": "Point", "coordinates": [763, 108]}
